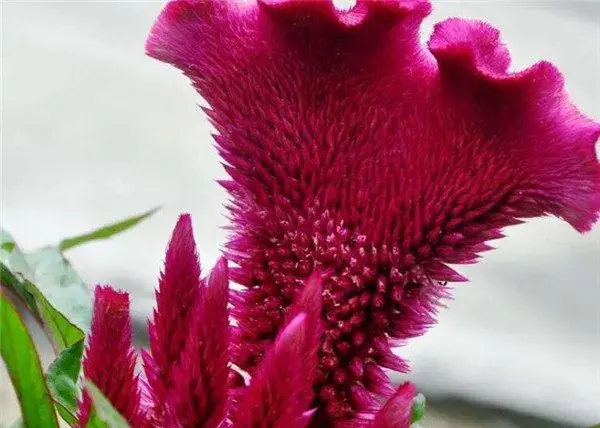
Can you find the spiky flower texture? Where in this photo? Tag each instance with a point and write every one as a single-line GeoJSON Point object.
{"type": "Point", "coordinates": [354, 149]}
{"type": "Point", "coordinates": [189, 382]}
{"type": "Point", "coordinates": [110, 358]}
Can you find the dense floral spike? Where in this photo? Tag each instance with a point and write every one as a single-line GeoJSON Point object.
{"type": "Point", "coordinates": [281, 389]}
{"type": "Point", "coordinates": [278, 394]}
{"type": "Point", "coordinates": [353, 148]}
{"type": "Point", "coordinates": [175, 297]}
{"type": "Point", "coordinates": [198, 396]}
{"type": "Point", "coordinates": [110, 359]}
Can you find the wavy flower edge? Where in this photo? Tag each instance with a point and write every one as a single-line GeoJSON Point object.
{"type": "Point", "coordinates": [430, 154]}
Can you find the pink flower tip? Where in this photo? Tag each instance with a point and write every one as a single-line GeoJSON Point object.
{"type": "Point", "coordinates": [176, 296]}
{"type": "Point", "coordinates": [110, 345]}
{"type": "Point", "coordinates": [397, 411]}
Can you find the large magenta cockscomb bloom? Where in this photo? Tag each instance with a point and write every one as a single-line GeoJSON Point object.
{"type": "Point", "coordinates": [109, 360]}
{"type": "Point", "coordinates": [352, 147]}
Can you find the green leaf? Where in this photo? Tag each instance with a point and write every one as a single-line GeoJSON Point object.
{"type": "Point", "coordinates": [66, 338]}
{"type": "Point", "coordinates": [95, 422]}
{"type": "Point", "coordinates": [61, 332]}
{"type": "Point", "coordinates": [61, 285]}
{"type": "Point", "coordinates": [9, 280]}
{"type": "Point", "coordinates": [67, 416]}
{"type": "Point", "coordinates": [418, 409]}
{"type": "Point", "coordinates": [62, 378]}
{"type": "Point", "coordinates": [68, 364]}
{"type": "Point", "coordinates": [11, 255]}
{"type": "Point", "coordinates": [103, 413]}
{"type": "Point", "coordinates": [48, 284]}
{"type": "Point", "coordinates": [23, 365]}
{"type": "Point", "coordinates": [105, 232]}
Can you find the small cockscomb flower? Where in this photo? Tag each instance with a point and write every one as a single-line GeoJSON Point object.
{"type": "Point", "coordinates": [353, 148]}
{"type": "Point", "coordinates": [179, 285]}
{"type": "Point", "coordinates": [199, 393]}
{"type": "Point", "coordinates": [109, 360]}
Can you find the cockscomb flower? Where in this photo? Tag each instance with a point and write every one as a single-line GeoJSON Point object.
{"type": "Point", "coordinates": [353, 148]}
{"type": "Point", "coordinates": [190, 382]}
{"type": "Point", "coordinates": [198, 394]}
{"type": "Point", "coordinates": [110, 359]}
{"type": "Point", "coordinates": [178, 288]}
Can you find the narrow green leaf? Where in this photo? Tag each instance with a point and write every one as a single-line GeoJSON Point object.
{"type": "Point", "coordinates": [105, 232]}
{"type": "Point", "coordinates": [61, 328]}
{"type": "Point", "coordinates": [68, 363]}
{"type": "Point", "coordinates": [66, 415]}
{"type": "Point", "coordinates": [61, 332]}
{"type": "Point", "coordinates": [8, 279]}
{"type": "Point", "coordinates": [23, 365]}
{"type": "Point", "coordinates": [62, 378]}
{"type": "Point", "coordinates": [418, 409]}
{"type": "Point", "coordinates": [95, 421]}
{"type": "Point", "coordinates": [50, 288]}
{"type": "Point", "coordinates": [102, 411]}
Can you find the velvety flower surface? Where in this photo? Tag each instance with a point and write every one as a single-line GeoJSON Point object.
{"type": "Point", "coordinates": [281, 391]}
{"type": "Point", "coordinates": [109, 360]}
{"type": "Point", "coordinates": [199, 393]}
{"type": "Point", "coordinates": [353, 148]}
{"type": "Point", "coordinates": [176, 297]}
{"type": "Point", "coordinates": [397, 412]}
{"type": "Point", "coordinates": [197, 389]}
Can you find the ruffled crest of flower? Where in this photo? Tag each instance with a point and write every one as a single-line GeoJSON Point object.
{"type": "Point", "coordinates": [352, 147]}
{"type": "Point", "coordinates": [176, 296]}
{"type": "Point", "coordinates": [109, 360]}
{"type": "Point", "coordinates": [281, 390]}
{"type": "Point", "coordinates": [198, 396]}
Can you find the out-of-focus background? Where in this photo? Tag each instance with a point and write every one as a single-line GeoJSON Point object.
{"type": "Point", "coordinates": [93, 131]}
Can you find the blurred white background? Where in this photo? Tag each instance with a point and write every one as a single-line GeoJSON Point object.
{"type": "Point", "coordinates": [93, 131]}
